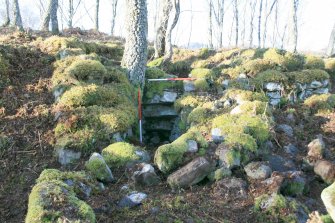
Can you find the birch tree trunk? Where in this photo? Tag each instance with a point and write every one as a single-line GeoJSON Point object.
{"type": "Point", "coordinates": [236, 22]}
{"type": "Point", "coordinates": [46, 17]}
{"type": "Point", "coordinates": [168, 44]}
{"type": "Point", "coordinates": [71, 13]}
{"type": "Point", "coordinates": [17, 15]}
{"type": "Point", "coordinates": [293, 36]}
{"type": "Point", "coordinates": [252, 16]}
{"type": "Point", "coordinates": [210, 25]}
{"type": "Point", "coordinates": [7, 19]}
{"type": "Point", "coordinates": [135, 52]}
{"type": "Point", "coordinates": [54, 19]}
{"type": "Point", "coordinates": [159, 44]}
{"type": "Point", "coordinates": [331, 44]}
{"type": "Point", "coordinates": [114, 7]}
{"type": "Point", "coordinates": [96, 18]}
{"type": "Point", "coordinates": [221, 16]}
{"type": "Point", "coordinates": [260, 22]}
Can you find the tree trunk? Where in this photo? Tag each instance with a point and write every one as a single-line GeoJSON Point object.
{"type": "Point", "coordinates": [54, 19]}
{"type": "Point", "coordinates": [260, 22]}
{"type": "Point", "coordinates": [236, 22]}
{"type": "Point", "coordinates": [266, 20]}
{"type": "Point", "coordinates": [135, 52]}
{"type": "Point", "coordinates": [17, 15]}
{"type": "Point", "coordinates": [96, 19]}
{"type": "Point", "coordinates": [168, 44]}
{"type": "Point", "coordinates": [331, 44]}
{"type": "Point", "coordinates": [7, 19]}
{"type": "Point", "coordinates": [293, 37]}
{"type": "Point", "coordinates": [71, 13]}
{"type": "Point", "coordinates": [114, 7]}
{"type": "Point", "coordinates": [221, 16]}
{"type": "Point", "coordinates": [210, 25]}
{"type": "Point", "coordinates": [46, 17]}
{"type": "Point", "coordinates": [253, 10]}
{"type": "Point", "coordinates": [159, 43]}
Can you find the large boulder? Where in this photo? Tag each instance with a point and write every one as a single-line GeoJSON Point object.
{"type": "Point", "coordinates": [326, 170]}
{"type": "Point", "coordinates": [328, 198]}
{"type": "Point", "coordinates": [191, 174]}
{"type": "Point", "coordinates": [97, 166]}
{"type": "Point", "coordinates": [316, 148]}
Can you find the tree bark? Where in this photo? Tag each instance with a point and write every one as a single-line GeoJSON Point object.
{"type": "Point", "coordinates": [236, 22]}
{"type": "Point", "coordinates": [159, 43]}
{"type": "Point", "coordinates": [96, 18]}
{"type": "Point", "coordinates": [53, 17]}
{"type": "Point", "coordinates": [253, 10]}
{"type": "Point", "coordinates": [46, 17]}
{"type": "Point", "coordinates": [135, 52]}
{"type": "Point", "coordinates": [17, 15]}
{"type": "Point", "coordinates": [210, 25]}
{"type": "Point", "coordinates": [260, 22]}
{"type": "Point", "coordinates": [293, 37]}
{"type": "Point", "coordinates": [168, 43]}
{"type": "Point", "coordinates": [71, 13]}
{"type": "Point", "coordinates": [331, 44]}
{"type": "Point", "coordinates": [7, 19]}
{"type": "Point", "coordinates": [114, 7]}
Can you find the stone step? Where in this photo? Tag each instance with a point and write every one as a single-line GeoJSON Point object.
{"type": "Point", "coordinates": [156, 111]}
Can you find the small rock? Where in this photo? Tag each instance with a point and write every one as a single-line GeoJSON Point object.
{"type": "Point", "coordinates": [288, 130]}
{"type": "Point", "coordinates": [117, 137]}
{"type": "Point", "coordinates": [144, 155]}
{"type": "Point", "coordinates": [169, 96]}
{"type": "Point", "coordinates": [58, 93]}
{"type": "Point", "coordinates": [225, 83]}
{"type": "Point", "coordinates": [321, 91]}
{"type": "Point", "coordinates": [326, 170]}
{"type": "Point", "coordinates": [229, 158]}
{"type": "Point", "coordinates": [273, 184]}
{"type": "Point", "coordinates": [291, 149]}
{"type": "Point", "coordinates": [316, 148]}
{"type": "Point", "coordinates": [328, 198]}
{"type": "Point", "coordinates": [227, 104]}
{"type": "Point", "coordinates": [290, 117]}
{"type": "Point", "coordinates": [280, 164]}
{"type": "Point", "coordinates": [231, 188]}
{"type": "Point", "coordinates": [325, 83]}
{"type": "Point", "coordinates": [315, 84]}
{"type": "Point", "coordinates": [236, 111]}
{"type": "Point", "coordinates": [146, 175]}
{"type": "Point", "coordinates": [66, 156]}
{"type": "Point", "coordinates": [258, 170]}
{"type": "Point", "coordinates": [242, 76]}
{"type": "Point", "coordinates": [192, 146]}
{"type": "Point", "coordinates": [217, 135]}
{"type": "Point", "coordinates": [124, 188]}
{"type": "Point", "coordinates": [274, 94]}
{"type": "Point", "coordinates": [189, 86]}
{"type": "Point", "coordinates": [132, 200]}
{"type": "Point", "coordinates": [273, 86]}
{"type": "Point", "coordinates": [274, 101]}
{"type": "Point", "coordinates": [219, 174]}
{"type": "Point", "coordinates": [82, 190]}
{"type": "Point", "coordinates": [191, 174]}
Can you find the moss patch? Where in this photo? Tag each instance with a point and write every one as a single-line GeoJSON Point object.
{"type": "Point", "coordinates": [313, 62]}
{"type": "Point", "coordinates": [119, 154]}
{"type": "Point", "coordinates": [307, 76]}
{"type": "Point", "coordinates": [256, 66]}
{"type": "Point", "coordinates": [323, 102]}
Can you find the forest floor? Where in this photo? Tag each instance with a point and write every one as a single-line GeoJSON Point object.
{"type": "Point", "coordinates": [26, 117]}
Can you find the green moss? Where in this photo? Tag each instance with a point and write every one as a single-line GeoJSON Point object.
{"type": "Point", "coordinates": [188, 101]}
{"type": "Point", "coordinates": [219, 174]}
{"type": "Point", "coordinates": [157, 87]}
{"type": "Point", "coordinates": [327, 219]}
{"type": "Point", "coordinates": [201, 85]}
{"type": "Point", "coordinates": [201, 64]}
{"type": "Point", "coordinates": [202, 73]}
{"type": "Point", "coordinates": [97, 168]}
{"type": "Point", "coordinates": [313, 62]}
{"type": "Point", "coordinates": [308, 76]}
{"type": "Point", "coordinates": [253, 53]}
{"type": "Point", "coordinates": [55, 43]}
{"type": "Point", "coordinates": [241, 141]}
{"type": "Point", "coordinates": [269, 76]}
{"type": "Point", "coordinates": [274, 55]}
{"type": "Point", "coordinates": [154, 72]}
{"type": "Point", "coordinates": [49, 201]}
{"type": "Point", "coordinates": [54, 174]}
{"type": "Point", "coordinates": [253, 108]}
{"type": "Point", "coordinates": [321, 102]}
{"type": "Point", "coordinates": [90, 71]}
{"type": "Point", "coordinates": [168, 157]}
{"type": "Point", "coordinates": [330, 66]}
{"type": "Point", "coordinates": [198, 115]}
{"type": "Point", "coordinates": [256, 66]}
{"type": "Point", "coordinates": [245, 95]}
{"type": "Point", "coordinates": [292, 62]}
{"type": "Point", "coordinates": [119, 154]}
{"type": "Point", "coordinates": [178, 67]}
{"type": "Point", "coordinates": [293, 189]}
{"type": "Point", "coordinates": [233, 72]}
{"type": "Point", "coordinates": [156, 63]}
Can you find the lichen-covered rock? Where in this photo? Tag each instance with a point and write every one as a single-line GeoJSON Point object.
{"type": "Point", "coordinates": [228, 158]}
{"type": "Point", "coordinates": [258, 170]}
{"type": "Point", "coordinates": [286, 129]}
{"type": "Point", "coordinates": [316, 148]}
{"type": "Point", "coordinates": [191, 174]}
{"type": "Point", "coordinates": [326, 170]}
{"type": "Point", "coordinates": [97, 166]}
{"type": "Point", "coordinates": [170, 156]}
{"type": "Point", "coordinates": [328, 198]}
{"type": "Point", "coordinates": [217, 135]}
{"type": "Point", "coordinates": [67, 156]}
{"type": "Point", "coordinates": [230, 188]}
{"type": "Point", "coordinates": [132, 200]}
{"type": "Point", "coordinates": [275, 207]}
{"type": "Point", "coordinates": [121, 153]}
{"type": "Point", "coordinates": [219, 174]}
{"type": "Point", "coordinates": [145, 175]}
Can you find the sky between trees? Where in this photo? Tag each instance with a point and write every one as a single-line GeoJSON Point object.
{"type": "Point", "coordinates": [315, 19]}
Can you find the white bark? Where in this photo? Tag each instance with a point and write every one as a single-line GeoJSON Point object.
{"type": "Point", "coordinates": [293, 36]}
{"type": "Point", "coordinates": [114, 8]}
{"type": "Point", "coordinates": [236, 22]}
{"type": "Point", "coordinates": [46, 17]}
{"type": "Point", "coordinates": [252, 16]}
{"type": "Point", "coordinates": [17, 15]}
{"type": "Point", "coordinates": [7, 19]}
{"type": "Point", "coordinates": [260, 22]}
{"type": "Point", "coordinates": [96, 18]}
{"type": "Point", "coordinates": [210, 24]}
{"type": "Point", "coordinates": [53, 17]}
{"type": "Point", "coordinates": [171, 26]}
{"type": "Point", "coordinates": [135, 52]}
{"type": "Point", "coordinates": [331, 44]}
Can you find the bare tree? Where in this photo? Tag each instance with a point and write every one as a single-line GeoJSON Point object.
{"type": "Point", "coordinates": [114, 8]}
{"type": "Point", "coordinates": [135, 52]}
{"type": "Point", "coordinates": [252, 16]}
{"type": "Point", "coordinates": [266, 20]}
{"type": "Point", "coordinates": [236, 22]}
{"type": "Point", "coordinates": [293, 36]}
{"type": "Point", "coordinates": [260, 22]}
{"type": "Point", "coordinates": [51, 15]}
{"type": "Point", "coordinates": [210, 24]}
{"type": "Point", "coordinates": [331, 44]}
{"type": "Point", "coordinates": [219, 15]}
{"type": "Point", "coordinates": [7, 18]}
{"type": "Point", "coordinates": [17, 15]}
{"type": "Point", "coordinates": [171, 26]}
{"type": "Point", "coordinates": [159, 44]}
{"type": "Point", "coordinates": [71, 12]}
{"type": "Point", "coordinates": [46, 17]}
{"type": "Point", "coordinates": [96, 18]}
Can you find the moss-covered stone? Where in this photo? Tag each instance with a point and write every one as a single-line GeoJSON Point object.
{"type": "Point", "coordinates": [233, 72]}
{"type": "Point", "coordinates": [244, 95]}
{"type": "Point", "coordinates": [314, 62]}
{"type": "Point", "coordinates": [323, 102]}
{"type": "Point", "coordinates": [98, 168]}
{"type": "Point", "coordinates": [119, 154]}
{"type": "Point", "coordinates": [292, 62]}
{"type": "Point", "coordinates": [270, 76]}
{"type": "Point", "coordinates": [90, 71]}
{"type": "Point", "coordinates": [198, 115]}
{"type": "Point", "coordinates": [256, 66]}
{"type": "Point", "coordinates": [168, 157]}
{"type": "Point", "coordinates": [308, 76]}
{"type": "Point", "coordinates": [219, 174]}
{"type": "Point", "coordinates": [202, 73]}
{"type": "Point", "coordinates": [252, 108]}
{"type": "Point", "coordinates": [188, 101]}
{"type": "Point", "coordinates": [274, 55]}
{"type": "Point", "coordinates": [50, 201]}
{"type": "Point", "coordinates": [330, 66]}
{"type": "Point", "coordinates": [156, 63]}
{"type": "Point", "coordinates": [241, 141]}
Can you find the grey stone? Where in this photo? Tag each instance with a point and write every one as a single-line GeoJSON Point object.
{"type": "Point", "coordinates": [117, 137]}
{"type": "Point", "coordinates": [231, 188]}
{"type": "Point", "coordinates": [326, 170]}
{"type": "Point", "coordinates": [271, 86]}
{"type": "Point", "coordinates": [162, 125]}
{"type": "Point", "coordinates": [157, 111]}
{"type": "Point", "coordinates": [67, 156]}
{"type": "Point", "coordinates": [219, 174]}
{"type": "Point", "coordinates": [191, 174]}
{"type": "Point", "coordinates": [280, 164]}
{"type": "Point", "coordinates": [274, 94]}
{"type": "Point", "coordinates": [227, 104]}
{"type": "Point", "coordinates": [228, 157]}
{"type": "Point", "coordinates": [274, 101]}
{"type": "Point", "coordinates": [236, 111]}
{"type": "Point", "coordinates": [290, 117]}
{"type": "Point", "coordinates": [57, 93]}
{"type": "Point", "coordinates": [82, 190]}
{"type": "Point", "coordinates": [225, 83]}
{"type": "Point", "coordinates": [258, 170]}
{"type": "Point", "coordinates": [146, 175]}
{"type": "Point", "coordinates": [217, 135]}
{"type": "Point", "coordinates": [176, 131]}
{"type": "Point", "coordinates": [291, 149]}
{"type": "Point", "coordinates": [321, 91]}
{"type": "Point", "coordinates": [103, 172]}
{"type": "Point", "coordinates": [328, 198]}
{"type": "Point", "coordinates": [242, 76]}
{"type": "Point", "coordinates": [288, 130]}
{"type": "Point", "coordinates": [169, 96]}
{"type": "Point", "coordinates": [325, 83]}
{"type": "Point", "coordinates": [316, 148]}
{"type": "Point", "coordinates": [192, 146]}
{"type": "Point", "coordinates": [144, 155]}
{"type": "Point", "coordinates": [315, 84]}
{"type": "Point", "coordinates": [132, 200]}
{"type": "Point", "coordinates": [189, 86]}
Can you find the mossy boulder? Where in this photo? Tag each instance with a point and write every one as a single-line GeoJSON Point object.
{"type": "Point", "coordinates": [189, 101]}
{"type": "Point", "coordinates": [277, 208]}
{"type": "Point", "coordinates": [98, 168]}
{"type": "Point", "coordinates": [330, 66]}
{"type": "Point", "coordinates": [328, 198]}
{"type": "Point", "coordinates": [233, 72]}
{"type": "Point", "coordinates": [256, 66]}
{"type": "Point", "coordinates": [169, 157]}
{"type": "Point", "coordinates": [90, 71]}
{"type": "Point", "coordinates": [198, 115]}
{"type": "Point", "coordinates": [121, 153]}
{"type": "Point", "coordinates": [323, 102]}
{"type": "Point", "coordinates": [50, 201]}
{"type": "Point", "coordinates": [251, 108]}
{"type": "Point", "coordinates": [241, 96]}
{"type": "Point", "coordinates": [270, 76]}
{"type": "Point", "coordinates": [314, 62]}
{"type": "Point", "coordinates": [308, 76]}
